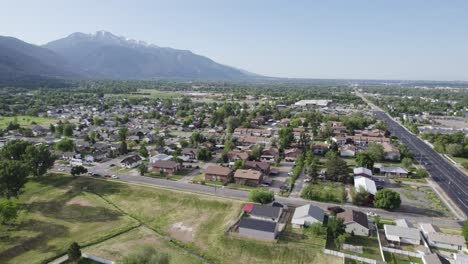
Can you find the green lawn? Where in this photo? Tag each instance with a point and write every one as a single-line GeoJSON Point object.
{"type": "Point", "coordinates": [370, 246]}
{"type": "Point", "coordinates": [435, 203]}
{"type": "Point", "coordinates": [25, 120]}
{"type": "Point", "coordinates": [324, 192]}
{"type": "Point", "coordinates": [400, 259]}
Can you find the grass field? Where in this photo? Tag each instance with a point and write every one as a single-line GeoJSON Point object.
{"type": "Point", "coordinates": [400, 259]}
{"type": "Point", "coordinates": [111, 217]}
{"type": "Point", "coordinates": [324, 192]}
{"type": "Point", "coordinates": [24, 120]}
{"type": "Point", "coordinates": [55, 213]}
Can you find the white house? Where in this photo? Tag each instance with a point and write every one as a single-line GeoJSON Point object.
{"type": "Point", "coordinates": [441, 240]}
{"type": "Point", "coordinates": [366, 183]}
{"type": "Point", "coordinates": [161, 156]}
{"type": "Point", "coordinates": [401, 234]}
{"type": "Point", "coordinates": [348, 151]}
{"type": "Point", "coordinates": [306, 215]}
{"type": "Point", "coordinates": [361, 171]}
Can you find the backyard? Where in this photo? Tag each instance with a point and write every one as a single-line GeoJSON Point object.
{"type": "Point", "coordinates": [325, 192]}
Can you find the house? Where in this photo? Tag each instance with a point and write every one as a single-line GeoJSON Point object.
{"type": "Point", "coordinates": [160, 156]}
{"type": "Point", "coordinates": [218, 173]}
{"type": "Point", "coordinates": [190, 153]}
{"type": "Point", "coordinates": [258, 229]}
{"type": "Point", "coordinates": [390, 151]}
{"type": "Point", "coordinates": [269, 155]}
{"type": "Point", "coordinates": [166, 166]}
{"type": "Point", "coordinates": [356, 222]}
{"type": "Point", "coordinates": [367, 184]}
{"type": "Point", "coordinates": [131, 162]}
{"type": "Point", "coordinates": [320, 148]}
{"type": "Point", "coordinates": [265, 212]}
{"type": "Point", "coordinates": [460, 258]}
{"type": "Point", "coordinates": [248, 177]}
{"type": "Point", "coordinates": [427, 228]}
{"type": "Point", "coordinates": [361, 171]}
{"type": "Point", "coordinates": [306, 215]}
{"type": "Point", "coordinates": [234, 155]}
{"type": "Point", "coordinates": [446, 241]}
{"type": "Point", "coordinates": [292, 154]}
{"type": "Point", "coordinates": [401, 234]}
{"type": "Point", "coordinates": [261, 166]}
{"type": "Point", "coordinates": [391, 171]}
{"type": "Point", "coordinates": [347, 151]}
{"type": "Point", "coordinates": [38, 130]}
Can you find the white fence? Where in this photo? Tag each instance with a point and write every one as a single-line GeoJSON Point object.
{"type": "Point", "coordinates": [402, 252]}
{"type": "Point", "coordinates": [344, 255]}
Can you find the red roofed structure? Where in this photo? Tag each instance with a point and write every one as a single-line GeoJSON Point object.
{"type": "Point", "coordinates": [248, 208]}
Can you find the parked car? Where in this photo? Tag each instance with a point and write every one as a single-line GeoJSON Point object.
{"type": "Point", "coordinates": [96, 175]}
{"type": "Point", "coordinates": [265, 184]}
{"type": "Point", "coordinates": [306, 180]}
{"type": "Point", "coordinates": [371, 214]}
{"type": "Point", "coordinates": [112, 165]}
{"type": "Point", "coordinates": [335, 209]}
{"type": "Point", "coordinates": [115, 177]}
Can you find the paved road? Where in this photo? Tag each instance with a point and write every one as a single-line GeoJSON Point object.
{"type": "Point", "coordinates": [449, 178]}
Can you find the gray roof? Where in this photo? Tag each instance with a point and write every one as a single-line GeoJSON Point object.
{"type": "Point", "coordinates": [309, 210]}
{"type": "Point", "coordinates": [256, 224]}
{"type": "Point", "coordinates": [446, 238]}
{"type": "Point", "coordinates": [403, 223]}
{"type": "Point", "coordinates": [266, 211]}
{"type": "Point", "coordinates": [402, 232]}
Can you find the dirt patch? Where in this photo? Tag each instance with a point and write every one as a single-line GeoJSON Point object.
{"type": "Point", "coordinates": [79, 201]}
{"type": "Point", "coordinates": [182, 232]}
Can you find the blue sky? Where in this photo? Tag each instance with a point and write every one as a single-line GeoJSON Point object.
{"type": "Point", "coordinates": [372, 39]}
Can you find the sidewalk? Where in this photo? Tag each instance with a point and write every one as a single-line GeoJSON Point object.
{"type": "Point", "coordinates": [446, 200]}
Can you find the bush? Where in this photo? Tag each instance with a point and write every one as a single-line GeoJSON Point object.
{"type": "Point", "coordinates": [261, 196]}
{"type": "Point", "coordinates": [317, 229]}
{"type": "Point", "coordinates": [387, 199]}
{"type": "Point", "coordinates": [74, 252]}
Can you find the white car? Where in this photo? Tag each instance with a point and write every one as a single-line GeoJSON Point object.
{"type": "Point", "coordinates": [307, 180]}
{"type": "Point", "coordinates": [114, 177]}
{"type": "Point", "coordinates": [372, 214]}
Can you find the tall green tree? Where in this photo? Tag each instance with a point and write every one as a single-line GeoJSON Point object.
{"type": "Point", "coordinates": [39, 159]}
{"type": "Point", "coordinates": [364, 159]}
{"type": "Point", "coordinates": [376, 151]}
{"type": "Point", "coordinates": [13, 177]}
{"type": "Point", "coordinates": [74, 252]}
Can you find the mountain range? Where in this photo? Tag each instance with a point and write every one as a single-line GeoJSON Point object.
{"type": "Point", "coordinates": [105, 55]}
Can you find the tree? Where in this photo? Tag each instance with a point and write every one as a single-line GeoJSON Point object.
{"type": "Point", "coordinates": [143, 152]}
{"type": "Point", "coordinates": [262, 196]}
{"type": "Point", "coordinates": [238, 164]}
{"type": "Point", "coordinates": [256, 152]}
{"type": "Point", "coordinates": [131, 144]}
{"type": "Point", "coordinates": [77, 170]}
{"type": "Point", "coordinates": [123, 148]}
{"type": "Point", "coordinates": [68, 130]}
{"type": "Point", "coordinates": [204, 154]}
{"type": "Point", "coordinates": [143, 169]}
{"type": "Point", "coordinates": [335, 227]}
{"type": "Point", "coordinates": [317, 229]}
{"type": "Point", "coordinates": [8, 211]}
{"type": "Point", "coordinates": [387, 199]}
{"type": "Point", "coordinates": [407, 162]}
{"type": "Point", "coordinates": [421, 173]}
{"type": "Point", "coordinates": [123, 133]}
{"type": "Point", "coordinates": [14, 150]}
{"type": "Point", "coordinates": [74, 252]}
{"type": "Point", "coordinates": [337, 169]}
{"type": "Point", "coordinates": [13, 177]}
{"type": "Point", "coordinates": [360, 197]}
{"type": "Point", "coordinates": [39, 159]}
{"type": "Point", "coordinates": [454, 149]}
{"type": "Point", "coordinates": [145, 255]}
{"type": "Point", "coordinates": [376, 151]}
{"type": "Point", "coordinates": [65, 145]}
{"type": "Point", "coordinates": [364, 159]}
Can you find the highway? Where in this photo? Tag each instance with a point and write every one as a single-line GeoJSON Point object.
{"type": "Point", "coordinates": [449, 178]}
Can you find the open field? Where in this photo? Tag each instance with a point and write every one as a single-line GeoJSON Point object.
{"type": "Point", "coordinates": [56, 212]}
{"type": "Point", "coordinates": [117, 247]}
{"type": "Point", "coordinates": [111, 217]}
{"type": "Point", "coordinates": [24, 120]}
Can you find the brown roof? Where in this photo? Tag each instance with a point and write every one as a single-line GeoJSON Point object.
{"type": "Point", "coordinates": [257, 165]}
{"type": "Point", "coordinates": [248, 174]}
{"type": "Point", "coordinates": [218, 170]}
{"type": "Point", "coordinates": [240, 154]}
{"type": "Point", "coordinates": [350, 216]}
{"type": "Point", "coordinates": [165, 164]}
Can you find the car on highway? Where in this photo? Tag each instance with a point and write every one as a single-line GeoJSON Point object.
{"type": "Point", "coordinates": [96, 175]}
{"type": "Point", "coordinates": [107, 176]}
{"type": "Point", "coordinates": [115, 177]}
{"type": "Point", "coordinates": [112, 165]}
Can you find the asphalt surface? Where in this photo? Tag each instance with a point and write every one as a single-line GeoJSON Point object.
{"type": "Point", "coordinates": [449, 178]}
